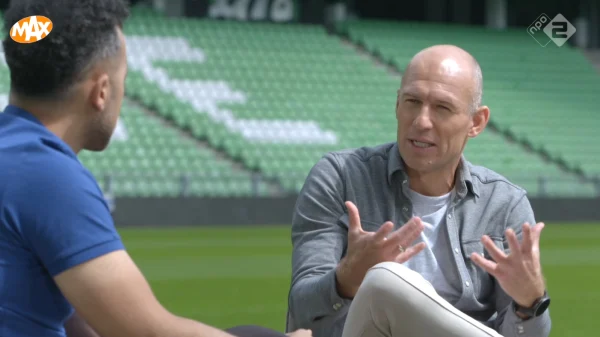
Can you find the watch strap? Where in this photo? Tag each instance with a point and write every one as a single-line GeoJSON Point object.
{"type": "Point", "coordinates": [538, 308]}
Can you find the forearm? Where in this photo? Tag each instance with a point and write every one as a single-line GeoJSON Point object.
{"type": "Point", "coordinates": [313, 298]}
{"type": "Point", "coordinates": [514, 326]}
{"type": "Point", "coordinates": [161, 323]}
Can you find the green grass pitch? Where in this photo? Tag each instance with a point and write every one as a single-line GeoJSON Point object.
{"type": "Point", "coordinates": [240, 275]}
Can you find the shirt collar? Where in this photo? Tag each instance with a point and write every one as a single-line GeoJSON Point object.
{"type": "Point", "coordinates": [22, 113]}
{"type": "Point", "coordinates": [16, 111]}
{"type": "Point", "coordinates": [463, 183]}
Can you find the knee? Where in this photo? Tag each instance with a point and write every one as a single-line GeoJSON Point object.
{"type": "Point", "coordinates": [380, 280]}
{"type": "Point", "coordinates": [391, 282]}
{"type": "Point", "coordinates": [389, 278]}
{"type": "Point", "coordinates": [393, 267]}
{"type": "Point", "coordinates": [381, 295]}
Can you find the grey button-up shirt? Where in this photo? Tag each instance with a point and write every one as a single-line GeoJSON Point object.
{"type": "Point", "coordinates": [374, 179]}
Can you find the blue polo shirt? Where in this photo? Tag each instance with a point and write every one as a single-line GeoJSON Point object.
{"type": "Point", "coordinates": [53, 216]}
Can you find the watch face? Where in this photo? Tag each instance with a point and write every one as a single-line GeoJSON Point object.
{"type": "Point", "coordinates": [542, 306]}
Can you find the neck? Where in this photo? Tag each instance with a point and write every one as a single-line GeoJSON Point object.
{"type": "Point", "coordinates": [434, 183]}
{"type": "Point", "coordinates": [58, 117]}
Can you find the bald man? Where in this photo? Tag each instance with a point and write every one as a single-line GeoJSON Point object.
{"type": "Point", "coordinates": [409, 239]}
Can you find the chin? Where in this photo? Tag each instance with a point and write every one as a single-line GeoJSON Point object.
{"type": "Point", "coordinates": [97, 145]}
{"type": "Point", "coordinates": [418, 164]}
{"type": "Point", "coordinates": [96, 148]}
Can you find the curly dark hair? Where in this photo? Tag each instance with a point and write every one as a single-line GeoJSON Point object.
{"type": "Point", "coordinates": [84, 32]}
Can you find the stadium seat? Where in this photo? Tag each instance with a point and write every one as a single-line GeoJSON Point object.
{"type": "Point", "coordinates": [275, 98]}
{"type": "Point", "coordinates": [278, 97]}
{"type": "Point", "coordinates": [158, 161]}
{"type": "Point", "coordinates": [544, 97]}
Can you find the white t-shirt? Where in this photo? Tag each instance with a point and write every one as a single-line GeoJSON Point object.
{"type": "Point", "coordinates": [435, 263]}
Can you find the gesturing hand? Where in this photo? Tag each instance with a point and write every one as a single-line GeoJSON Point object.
{"type": "Point", "coordinates": [520, 272]}
{"type": "Point", "coordinates": [366, 249]}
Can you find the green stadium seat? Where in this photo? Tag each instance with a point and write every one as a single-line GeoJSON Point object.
{"type": "Point", "coordinates": [545, 97]}
{"type": "Point", "coordinates": [276, 98]}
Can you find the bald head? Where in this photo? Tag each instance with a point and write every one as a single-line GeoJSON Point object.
{"type": "Point", "coordinates": [438, 111]}
{"type": "Point", "coordinates": [449, 63]}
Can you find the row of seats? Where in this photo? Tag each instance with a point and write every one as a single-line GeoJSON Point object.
{"type": "Point", "coordinates": [156, 160]}
{"type": "Point", "coordinates": [544, 97]}
{"type": "Point", "coordinates": [275, 98]}
{"type": "Point", "coordinates": [148, 159]}
{"type": "Point", "coordinates": [236, 82]}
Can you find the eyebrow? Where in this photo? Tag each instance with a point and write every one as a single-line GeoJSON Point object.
{"type": "Point", "coordinates": [411, 93]}
{"type": "Point", "coordinates": [445, 99]}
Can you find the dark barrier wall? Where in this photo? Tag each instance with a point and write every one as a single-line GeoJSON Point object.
{"type": "Point", "coordinates": [278, 211]}
{"type": "Point", "coordinates": [203, 211]}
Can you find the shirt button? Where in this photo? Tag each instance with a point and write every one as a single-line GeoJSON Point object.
{"type": "Point", "coordinates": [467, 283]}
{"type": "Point", "coordinates": [456, 250]}
{"type": "Point", "coordinates": [404, 181]}
{"type": "Point", "coordinates": [336, 306]}
{"type": "Point", "coordinates": [449, 216]}
{"type": "Point", "coordinates": [405, 209]}
{"type": "Point", "coordinates": [520, 329]}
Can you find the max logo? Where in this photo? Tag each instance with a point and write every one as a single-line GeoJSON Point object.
{"type": "Point", "coordinates": [31, 29]}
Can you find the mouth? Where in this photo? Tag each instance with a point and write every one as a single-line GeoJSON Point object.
{"type": "Point", "coordinates": [421, 144]}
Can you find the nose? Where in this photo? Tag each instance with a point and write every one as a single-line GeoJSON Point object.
{"type": "Point", "coordinates": [423, 119]}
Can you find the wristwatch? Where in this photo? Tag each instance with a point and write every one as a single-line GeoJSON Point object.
{"type": "Point", "coordinates": [538, 308]}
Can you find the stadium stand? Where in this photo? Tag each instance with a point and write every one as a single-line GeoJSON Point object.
{"type": "Point", "coordinates": [261, 93]}
{"type": "Point", "coordinates": [146, 158]}
{"type": "Point", "coordinates": [543, 97]}
{"type": "Point", "coordinates": [277, 97]}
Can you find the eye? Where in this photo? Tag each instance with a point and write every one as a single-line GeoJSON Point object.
{"type": "Point", "coordinates": [443, 107]}
{"type": "Point", "coordinates": [412, 100]}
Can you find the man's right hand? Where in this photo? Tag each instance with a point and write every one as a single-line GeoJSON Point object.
{"type": "Point", "coordinates": [366, 249]}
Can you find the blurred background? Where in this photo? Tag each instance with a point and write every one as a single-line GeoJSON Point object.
{"type": "Point", "coordinates": [230, 103]}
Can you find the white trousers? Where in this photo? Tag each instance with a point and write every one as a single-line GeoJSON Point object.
{"type": "Point", "coordinates": [394, 301]}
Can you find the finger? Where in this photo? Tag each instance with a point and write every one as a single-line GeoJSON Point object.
{"type": "Point", "coordinates": [383, 231]}
{"type": "Point", "coordinates": [410, 252]}
{"type": "Point", "coordinates": [513, 242]}
{"type": "Point", "coordinates": [393, 238]}
{"type": "Point", "coordinates": [537, 232]}
{"type": "Point", "coordinates": [496, 254]}
{"type": "Point", "coordinates": [489, 266]}
{"type": "Point", "coordinates": [353, 218]}
{"type": "Point", "coordinates": [413, 232]}
{"type": "Point", "coordinates": [407, 233]}
{"type": "Point", "coordinates": [527, 240]}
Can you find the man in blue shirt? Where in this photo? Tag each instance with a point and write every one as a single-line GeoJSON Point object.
{"type": "Point", "coordinates": [59, 250]}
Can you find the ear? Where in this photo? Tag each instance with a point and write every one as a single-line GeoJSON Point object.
{"type": "Point", "coordinates": [397, 103]}
{"type": "Point", "coordinates": [479, 121]}
{"type": "Point", "coordinates": [99, 93]}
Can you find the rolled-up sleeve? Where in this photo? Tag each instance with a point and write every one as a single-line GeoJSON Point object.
{"type": "Point", "coordinates": [319, 239]}
{"type": "Point", "coordinates": [508, 323]}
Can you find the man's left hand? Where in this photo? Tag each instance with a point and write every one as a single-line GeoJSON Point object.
{"type": "Point", "coordinates": [518, 273]}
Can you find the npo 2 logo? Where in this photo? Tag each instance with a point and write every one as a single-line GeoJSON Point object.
{"type": "Point", "coordinates": [557, 30]}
